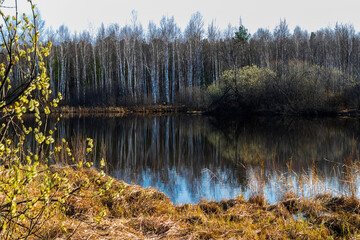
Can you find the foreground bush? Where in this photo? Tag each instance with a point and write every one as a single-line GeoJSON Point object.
{"type": "Point", "coordinates": [30, 193]}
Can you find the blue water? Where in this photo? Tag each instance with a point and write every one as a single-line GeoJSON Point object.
{"type": "Point", "coordinates": [194, 158]}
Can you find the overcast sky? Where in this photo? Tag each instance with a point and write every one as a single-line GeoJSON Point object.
{"type": "Point", "coordinates": [308, 14]}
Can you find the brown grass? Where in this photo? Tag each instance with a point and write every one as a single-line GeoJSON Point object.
{"type": "Point", "coordinates": [133, 212]}
{"type": "Point", "coordinates": [120, 111]}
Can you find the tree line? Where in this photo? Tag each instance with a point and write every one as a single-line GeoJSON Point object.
{"type": "Point", "coordinates": [125, 65]}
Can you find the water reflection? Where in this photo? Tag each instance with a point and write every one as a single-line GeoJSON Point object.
{"type": "Point", "coordinates": [194, 157]}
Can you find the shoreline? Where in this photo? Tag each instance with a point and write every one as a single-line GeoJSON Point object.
{"type": "Point", "coordinates": [145, 110]}
{"type": "Point", "coordinates": [134, 212]}
{"type": "Point", "coordinates": [175, 109]}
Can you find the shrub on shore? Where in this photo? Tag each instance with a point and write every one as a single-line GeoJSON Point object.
{"type": "Point", "coordinates": [300, 88]}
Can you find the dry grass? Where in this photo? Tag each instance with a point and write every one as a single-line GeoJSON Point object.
{"type": "Point", "coordinates": [121, 111]}
{"type": "Point", "coordinates": [67, 109]}
{"type": "Point", "coordinates": [132, 212]}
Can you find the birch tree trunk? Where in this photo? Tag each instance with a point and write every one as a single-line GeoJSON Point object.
{"type": "Point", "coordinates": [121, 74]}
{"type": "Point", "coordinates": [167, 97]}
{"type": "Point", "coordinates": [77, 69]}
{"type": "Point", "coordinates": [190, 72]}
{"type": "Point", "coordinates": [153, 75]}
{"type": "Point", "coordinates": [63, 70]}
{"type": "Point", "coordinates": [84, 73]}
{"type": "Point", "coordinates": [173, 72]}
{"type": "Point", "coordinates": [95, 67]}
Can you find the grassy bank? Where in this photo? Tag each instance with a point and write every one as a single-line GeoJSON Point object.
{"type": "Point", "coordinates": [131, 212]}
{"type": "Point", "coordinates": [169, 109]}
{"type": "Point", "coordinates": [145, 110]}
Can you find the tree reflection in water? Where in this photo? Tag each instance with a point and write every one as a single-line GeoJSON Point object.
{"type": "Point", "coordinates": [195, 157]}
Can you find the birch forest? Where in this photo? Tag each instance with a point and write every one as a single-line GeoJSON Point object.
{"type": "Point", "coordinates": [161, 64]}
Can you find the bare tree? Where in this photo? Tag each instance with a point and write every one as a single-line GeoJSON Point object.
{"type": "Point", "coordinates": [193, 34]}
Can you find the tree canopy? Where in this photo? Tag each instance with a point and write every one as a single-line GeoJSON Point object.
{"type": "Point", "coordinates": [242, 34]}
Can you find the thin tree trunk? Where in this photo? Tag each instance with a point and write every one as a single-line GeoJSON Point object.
{"type": "Point", "coordinates": [167, 97]}
{"type": "Point", "coordinates": [122, 82]}
{"type": "Point", "coordinates": [153, 75]}
{"type": "Point", "coordinates": [95, 72]}
{"type": "Point", "coordinates": [190, 73]}
{"type": "Point", "coordinates": [173, 72]}
{"type": "Point", "coordinates": [180, 79]}
{"type": "Point", "coordinates": [84, 73]}
{"type": "Point", "coordinates": [77, 69]}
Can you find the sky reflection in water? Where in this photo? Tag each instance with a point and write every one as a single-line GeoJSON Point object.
{"type": "Point", "coordinates": [191, 158]}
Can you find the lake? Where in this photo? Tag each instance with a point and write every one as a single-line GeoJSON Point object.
{"type": "Point", "coordinates": [192, 158]}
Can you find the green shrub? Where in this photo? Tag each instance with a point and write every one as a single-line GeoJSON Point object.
{"type": "Point", "coordinates": [300, 87]}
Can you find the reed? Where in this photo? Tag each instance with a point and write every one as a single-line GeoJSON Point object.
{"type": "Point", "coordinates": [131, 211]}
{"type": "Point", "coordinates": [303, 210]}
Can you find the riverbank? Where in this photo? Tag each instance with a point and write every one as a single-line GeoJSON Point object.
{"type": "Point", "coordinates": [141, 110]}
{"type": "Point", "coordinates": [169, 109]}
{"type": "Point", "coordinates": [132, 212]}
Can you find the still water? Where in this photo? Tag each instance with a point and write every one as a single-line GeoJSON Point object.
{"type": "Point", "coordinates": [191, 158]}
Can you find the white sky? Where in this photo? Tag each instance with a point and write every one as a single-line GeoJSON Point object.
{"type": "Point", "coordinates": [308, 14]}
